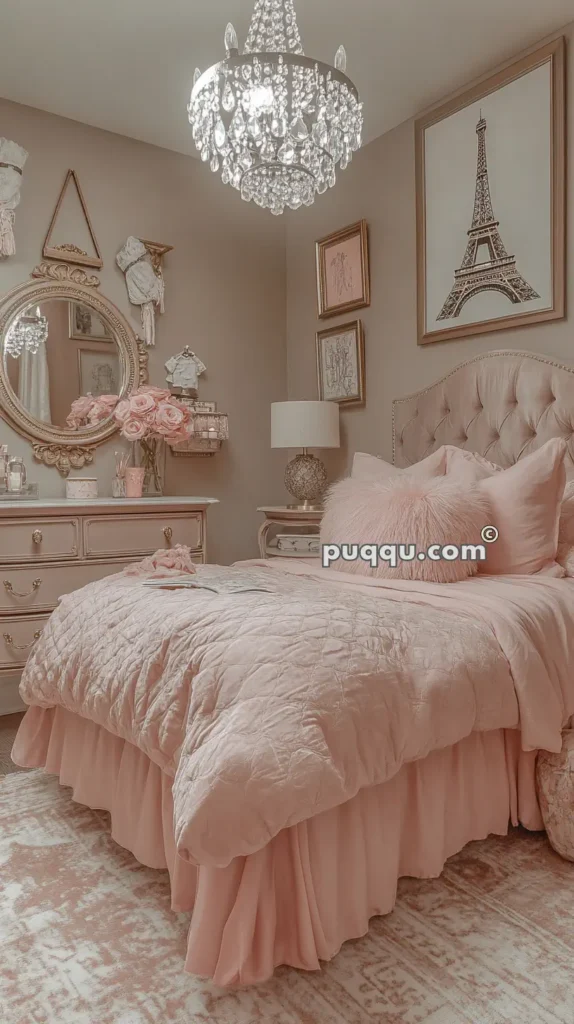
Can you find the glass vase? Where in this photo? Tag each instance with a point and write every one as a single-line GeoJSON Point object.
{"type": "Point", "coordinates": [150, 455]}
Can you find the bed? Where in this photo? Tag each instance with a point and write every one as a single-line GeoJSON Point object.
{"type": "Point", "coordinates": [282, 865]}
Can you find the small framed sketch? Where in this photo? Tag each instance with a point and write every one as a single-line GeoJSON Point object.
{"type": "Point", "coordinates": [86, 325]}
{"type": "Point", "coordinates": [98, 370]}
{"type": "Point", "coordinates": [341, 364]}
{"type": "Point", "coordinates": [343, 281]}
{"type": "Point", "coordinates": [491, 202]}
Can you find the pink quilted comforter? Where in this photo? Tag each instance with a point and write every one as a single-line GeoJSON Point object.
{"type": "Point", "coordinates": [270, 707]}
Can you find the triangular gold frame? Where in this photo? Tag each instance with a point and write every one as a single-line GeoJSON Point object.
{"type": "Point", "coordinates": [67, 252]}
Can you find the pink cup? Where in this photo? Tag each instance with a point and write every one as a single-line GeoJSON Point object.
{"type": "Point", "coordinates": [134, 481]}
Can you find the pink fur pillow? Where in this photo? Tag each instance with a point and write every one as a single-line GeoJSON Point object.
{"type": "Point", "coordinates": [409, 511]}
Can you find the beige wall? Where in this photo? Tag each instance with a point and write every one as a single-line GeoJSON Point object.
{"type": "Point", "coordinates": [234, 289]}
{"type": "Point", "coordinates": [380, 186]}
{"type": "Point", "coordinates": [225, 296]}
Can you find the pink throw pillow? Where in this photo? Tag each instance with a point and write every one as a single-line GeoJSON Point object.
{"type": "Point", "coordinates": [525, 501]}
{"type": "Point", "coordinates": [469, 465]}
{"type": "Point", "coordinates": [373, 468]}
{"type": "Point", "coordinates": [410, 511]}
{"type": "Point", "coordinates": [565, 553]}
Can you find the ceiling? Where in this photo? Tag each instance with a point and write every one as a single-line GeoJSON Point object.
{"type": "Point", "coordinates": [127, 65]}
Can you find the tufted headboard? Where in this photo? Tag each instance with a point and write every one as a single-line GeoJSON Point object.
{"type": "Point", "coordinates": [502, 405]}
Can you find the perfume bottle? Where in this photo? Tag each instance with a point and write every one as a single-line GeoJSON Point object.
{"type": "Point", "coordinates": [15, 474]}
{"type": "Point", "coordinates": [3, 464]}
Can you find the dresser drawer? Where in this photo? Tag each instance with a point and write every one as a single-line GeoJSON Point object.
{"type": "Point", "coordinates": [40, 587]}
{"type": "Point", "coordinates": [38, 540]}
{"type": "Point", "coordinates": [18, 635]}
{"type": "Point", "coordinates": [136, 536]}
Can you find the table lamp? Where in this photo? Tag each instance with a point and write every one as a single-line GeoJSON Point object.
{"type": "Point", "coordinates": [305, 425]}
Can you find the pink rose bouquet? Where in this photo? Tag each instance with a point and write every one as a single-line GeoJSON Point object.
{"type": "Point", "coordinates": [150, 415]}
{"type": "Point", "coordinates": [153, 412]}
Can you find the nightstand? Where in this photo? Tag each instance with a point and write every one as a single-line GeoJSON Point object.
{"type": "Point", "coordinates": [296, 523]}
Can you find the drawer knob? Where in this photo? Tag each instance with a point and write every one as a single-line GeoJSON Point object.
{"type": "Point", "coordinates": [21, 647]}
{"type": "Point", "coordinates": [168, 533]}
{"type": "Point", "coordinates": [36, 584]}
{"type": "Point", "coordinates": [37, 537]}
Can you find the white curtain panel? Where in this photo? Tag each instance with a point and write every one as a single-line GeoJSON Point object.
{"type": "Point", "coordinates": [34, 384]}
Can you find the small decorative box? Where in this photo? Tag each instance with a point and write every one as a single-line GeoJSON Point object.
{"type": "Point", "coordinates": [81, 488]}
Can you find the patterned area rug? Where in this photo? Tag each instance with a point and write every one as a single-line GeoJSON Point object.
{"type": "Point", "coordinates": [9, 725]}
{"type": "Point", "coordinates": [87, 936]}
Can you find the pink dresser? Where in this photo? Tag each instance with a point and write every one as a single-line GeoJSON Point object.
{"type": "Point", "coordinates": [49, 548]}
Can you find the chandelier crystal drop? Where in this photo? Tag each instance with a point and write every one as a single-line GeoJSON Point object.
{"type": "Point", "coordinates": [28, 332]}
{"type": "Point", "coordinates": [275, 123]}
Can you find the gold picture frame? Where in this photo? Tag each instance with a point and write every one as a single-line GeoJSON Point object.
{"type": "Point", "coordinates": [343, 277]}
{"type": "Point", "coordinates": [103, 357]}
{"type": "Point", "coordinates": [526, 116]}
{"type": "Point", "coordinates": [341, 363]}
{"type": "Point", "coordinates": [77, 332]}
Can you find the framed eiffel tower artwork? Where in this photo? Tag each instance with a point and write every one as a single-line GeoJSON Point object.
{"type": "Point", "coordinates": [490, 168]}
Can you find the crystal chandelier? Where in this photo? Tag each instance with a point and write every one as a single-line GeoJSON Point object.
{"type": "Point", "coordinates": [28, 332]}
{"type": "Point", "coordinates": [276, 123]}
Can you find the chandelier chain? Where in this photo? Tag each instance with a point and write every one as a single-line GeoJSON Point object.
{"type": "Point", "coordinates": [274, 28]}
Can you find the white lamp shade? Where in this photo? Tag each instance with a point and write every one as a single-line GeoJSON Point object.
{"type": "Point", "coordinates": [304, 425]}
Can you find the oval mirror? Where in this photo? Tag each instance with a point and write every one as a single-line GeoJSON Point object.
{"type": "Point", "coordinates": [58, 342]}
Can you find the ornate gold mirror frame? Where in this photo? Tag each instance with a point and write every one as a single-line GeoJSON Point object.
{"type": "Point", "coordinates": [57, 446]}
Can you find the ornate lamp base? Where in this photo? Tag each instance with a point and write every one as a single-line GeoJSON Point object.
{"type": "Point", "coordinates": [305, 479]}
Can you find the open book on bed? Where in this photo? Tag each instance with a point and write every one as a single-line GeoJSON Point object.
{"type": "Point", "coordinates": [234, 582]}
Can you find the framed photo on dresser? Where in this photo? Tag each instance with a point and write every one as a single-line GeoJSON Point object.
{"type": "Point", "coordinates": [343, 282]}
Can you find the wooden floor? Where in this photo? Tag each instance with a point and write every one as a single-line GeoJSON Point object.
{"type": "Point", "coordinates": [8, 729]}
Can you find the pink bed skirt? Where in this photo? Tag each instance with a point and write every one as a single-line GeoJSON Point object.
{"type": "Point", "coordinates": [315, 884]}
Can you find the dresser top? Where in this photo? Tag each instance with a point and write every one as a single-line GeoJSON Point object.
{"type": "Point", "coordinates": [53, 506]}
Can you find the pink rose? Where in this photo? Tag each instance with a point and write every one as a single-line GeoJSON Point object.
{"type": "Point", "coordinates": [97, 413]}
{"type": "Point", "coordinates": [80, 411]}
{"type": "Point", "coordinates": [133, 428]}
{"type": "Point", "coordinates": [122, 411]}
{"type": "Point", "coordinates": [140, 404]}
{"type": "Point", "coordinates": [169, 416]}
{"type": "Point", "coordinates": [159, 394]}
{"type": "Point", "coordinates": [102, 408]}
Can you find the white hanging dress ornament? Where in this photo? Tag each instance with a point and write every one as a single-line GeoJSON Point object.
{"type": "Point", "coordinates": [145, 287]}
{"type": "Point", "coordinates": [12, 160]}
